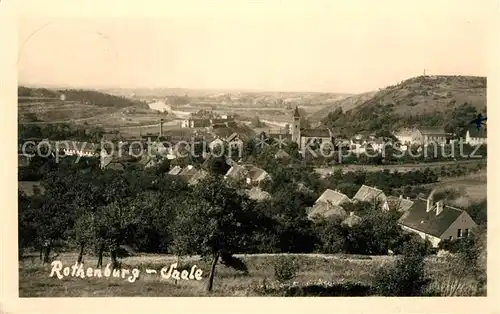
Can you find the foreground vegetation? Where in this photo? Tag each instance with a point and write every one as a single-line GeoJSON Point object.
{"type": "Point", "coordinates": [95, 211]}
{"type": "Point", "coordinates": [315, 275]}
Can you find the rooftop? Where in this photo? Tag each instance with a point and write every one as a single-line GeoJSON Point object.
{"type": "Point", "coordinates": [334, 197]}
{"type": "Point", "coordinates": [428, 222]}
{"type": "Point", "coordinates": [368, 194]}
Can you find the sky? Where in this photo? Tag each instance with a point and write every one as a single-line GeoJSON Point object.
{"type": "Point", "coordinates": [340, 46]}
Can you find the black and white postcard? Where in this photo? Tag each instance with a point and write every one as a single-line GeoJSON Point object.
{"type": "Point", "coordinates": [282, 149]}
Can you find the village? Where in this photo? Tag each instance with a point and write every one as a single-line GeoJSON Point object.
{"type": "Point", "coordinates": [256, 151]}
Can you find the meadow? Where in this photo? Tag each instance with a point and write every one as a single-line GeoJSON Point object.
{"type": "Point", "coordinates": [343, 274]}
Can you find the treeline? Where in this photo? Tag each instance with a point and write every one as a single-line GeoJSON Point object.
{"type": "Point", "coordinates": [60, 131]}
{"type": "Point", "coordinates": [84, 96]}
{"type": "Point", "coordinates": [94, 211]}
{"type": "Point", "coordinates": [380, 116]}
{"type": "Point", "coordinates": [76, 188]}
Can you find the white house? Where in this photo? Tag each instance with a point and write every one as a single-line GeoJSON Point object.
{"type": "Point", "coordinates": [436, 221]}
{"type": "Point", "coordinates": [475, 136]}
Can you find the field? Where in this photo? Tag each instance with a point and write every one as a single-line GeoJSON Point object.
{"type": "Point", "coordinates": [34, 280]}
{"type": "Point", "coordinates": [472, 188]}
{"type": "Point", "coordinates": [399, 168]}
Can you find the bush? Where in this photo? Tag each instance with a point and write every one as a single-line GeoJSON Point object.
{"type": "Point", "coordinates": [286, 268]}
{"type": "Point", "coordinates": [406, 277]}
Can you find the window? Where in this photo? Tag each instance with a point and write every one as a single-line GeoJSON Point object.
{"type": "Point", "coordinates": [466, 233]}
{"type": "Point", "coordinates": [459, 233]}
{"type": "Point", "coordinates": [451, 238]}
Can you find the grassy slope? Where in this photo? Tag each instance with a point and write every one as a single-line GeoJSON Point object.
{"type": "Point", "coordinates": [34, 280]}
{"type": "Point", "coordinates": [419, 95]}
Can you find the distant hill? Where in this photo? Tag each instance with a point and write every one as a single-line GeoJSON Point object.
{"type": "Point", "coordinates": [89, 97]}
{"type": "Point", "coordinates": [37, 105]}
{"type": "Point", "coordinates": [445, 101]}
{"type": "Point", "coordinates": [346, 103]}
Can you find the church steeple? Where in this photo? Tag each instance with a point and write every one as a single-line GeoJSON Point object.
{"type": "Point", "coordinates": [296, 114]}
{"type": "Point", "coordinates": [296, 126]}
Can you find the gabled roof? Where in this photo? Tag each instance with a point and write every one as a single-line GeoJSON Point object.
{"type": "Point", "coordinates": [296, 113]}
{"type": "Point", "coordinates": [352, 220]}
{"type": "Point", "coordinates": [197, 177]}
{"type": "Point", "coordinates": [188, 172]}
{"type": "Point", "coordinates": [106, 160]}
{"type": "Point", "coordinates": [368, 194]}
{"type": "Point", "coordinates": [254, 173]}
{"type": "Point", "coordinates": [477, 133]}
{"type": "Point", "coordinates": [232, 137]}
{"type": "Point", "coordinates": [428, 222]}
{"type": "Point", "coordinates": [175, 171]}
{"type": "Point", "coordinates": [258, 194]}
{"type": "Point", "coordinates": [239, 172]}
{"type": "Point", "coordinates": [334, 197]}
{"type": "Point", "coordinates": [326, 209]}
{"type": "Point", "coordinates": [433, 131]}
{"type": "Point", "coordinates": [405, 132]}
{"type": "Point", "coordinates": [315, 133]}
{"type": "Point", "coordinates": [399, 203]}
{"type": "Point", "coordinates": [281, 154]}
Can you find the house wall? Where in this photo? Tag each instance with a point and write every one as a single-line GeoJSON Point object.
{"type": "Point", "coordinates": [464, 221]}
{"type": "Point", "coordinates": [404, 138]}
{"type": "Point", "coordinates": [474, 140]}
{"type": "Point", "coordinates": [433, 139]}
{"type": "Point", "coordinates": [432, 239]}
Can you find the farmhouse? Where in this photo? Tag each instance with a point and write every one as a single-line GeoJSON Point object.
{"type": "Point", "coordinates": [281, 154]}
{"type": "Point", "coordinates": [399, 203]}
{"type": "Point", "coordinates": [111, 163]}
{"type": "Point", "coordinates": [475, 136]}
{"type": "Point", "coordinates": [436, 221]}
{"type": "Point", "coordinates": [407, 136]}
{"type": "Point", "coordinates": [329, 204]}
{"type": "Point", "coordinates": [372, 195]}
{"type": "Point", "coordinates": [251, 174]}
{"type": "Point", "coordinates": [82, 149]}
{"type": "Point", "coordinates": [351, 220]}
{"type": "Point", "coordinates": [434, 135]}
{"type": "Point", "coordinates": [423, 136]}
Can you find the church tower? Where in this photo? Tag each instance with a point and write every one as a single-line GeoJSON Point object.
{"type": "Point", "coordinates": [296, 126]}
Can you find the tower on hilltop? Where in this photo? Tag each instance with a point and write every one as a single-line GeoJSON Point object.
{"type": "Point", "coordinates": [296, 126]}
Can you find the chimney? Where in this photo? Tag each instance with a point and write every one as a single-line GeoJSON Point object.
{"type": "Point", "coordinates": [401, 196]}
{"type": "Point", "coordinates": [351, 213]}
{"type": "Point", "coordinates": [439, 207]}
{"type": "Point", "coordinates": [429, 204]}
{"type": "Point", "coordinates": [161, 127]}
{"type": "Point", "coordinates": [407, 197]}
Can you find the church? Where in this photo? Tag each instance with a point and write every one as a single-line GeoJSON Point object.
{"type": "Point", "coordinates": [305, 136]}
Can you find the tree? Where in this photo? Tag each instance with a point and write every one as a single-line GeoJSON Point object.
{"type": "Point", "coordinates": [216, 221]}
{"type": "Point", "coordinates": [406, 277]}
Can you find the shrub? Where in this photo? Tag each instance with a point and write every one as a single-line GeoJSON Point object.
{"type": "Point", "coordinates": [286, 268]}
{"type": "Point", "coordinates": [406, 277]}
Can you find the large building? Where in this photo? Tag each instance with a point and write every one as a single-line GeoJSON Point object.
{"type": "Point", "coordinates": [423, 136]}
{"type": "Point", "coordinates": [475, 136]}
{"type": "Point", "coordinates": [303, 136]}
